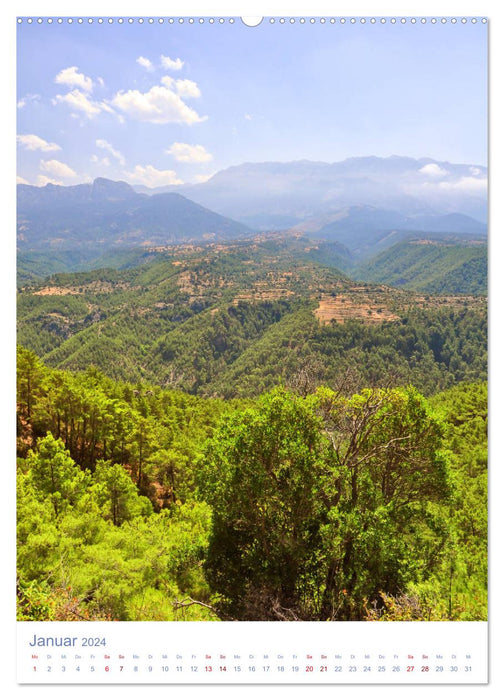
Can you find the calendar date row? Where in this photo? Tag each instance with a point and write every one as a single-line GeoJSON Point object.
{"type": "Point", "coordinates": [304, 668]}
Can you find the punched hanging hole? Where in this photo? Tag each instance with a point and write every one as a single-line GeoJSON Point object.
{"type": "Point", "coordinates": [251, 21]}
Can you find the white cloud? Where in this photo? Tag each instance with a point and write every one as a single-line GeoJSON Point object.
{"type": "Point", "coordinates": [21, 181]}
{"type": "Point", "coordinates": [171, 64]}
{"type": "Point", "coordinates": [249, 117]}
{"type": "Point", "coordinates": [183, 88]}
{"type": "Point", "coordinates": [106, 146]}
{"type": "Point", "coordinates": [103, 162]}
{"type": "Point", "coordinates": [433, 170]}
{"type": "Point", "coordinates": [57, 168]}
{"type": "Point", "coordinates": [43, 180]}
{"type": "Point", "coordinates": [145, 63]}
{"type": "Point", "coordinates": [187, 88]}
{"type": "Point", "coordinates": [149, 176]}
{"type": "Point", "coordinates": [159, 105]}
{"type": "Point", "coordinates": [70, 77]}
{"type": "Point", "coordinates": [475, 171]}
{"type": "Point", "coordinates": [34, 143]}
{"type": "Point", "coordinates": [187, 153]}
{"type": "Point", "coordinates": [27, 98]}
{"type": "Point", "coordinates": [168, 81]}
{"type": "Point", "coordinates": [204, 178]}
{"type": "Point", "coordinates": [104, 107]}
{"type": "Point", "coordinates": [467, 184]}
{"type": "Point", "coordinates": [76, 99]}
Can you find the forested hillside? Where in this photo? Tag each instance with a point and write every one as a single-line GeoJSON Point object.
{"type": "Point", "coordinates": [36, 266]}
{"type": "Point", "coordinates": [236, 320]}
{"type": "Point", "coordinates": [117, 484]}
{"type": "Point", "coordinates": [243, 432]}
{"type": "Point", "coordinates": [440, 266]}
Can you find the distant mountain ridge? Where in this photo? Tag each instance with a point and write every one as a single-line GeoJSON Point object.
{"type": "Point", "coordinates": [366, 204]}
{"type": "Point", "coordinates": [107, 213]}
{"type": "Point", "coordinates": [264, 194]}
{"type": "Point", "coordinates": [364, 230]}
{"type": "Point", "coordinates": [100, 190]}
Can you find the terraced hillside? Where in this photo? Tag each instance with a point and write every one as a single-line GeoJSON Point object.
{"type": "Point", "coordinates": [236, 319]}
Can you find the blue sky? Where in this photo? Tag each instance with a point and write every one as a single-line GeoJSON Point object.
{"type": "Point", "coordinates": [159, 104]}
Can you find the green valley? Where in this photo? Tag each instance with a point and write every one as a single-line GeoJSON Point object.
{"type": "Point", "coordinates": [236, 319]}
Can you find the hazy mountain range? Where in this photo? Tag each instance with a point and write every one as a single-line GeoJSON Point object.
{"type": "Point", "coordinates": [365, 204]}
{"type": "Point", "coordinates": [107, 213]}
{"type": "Point", "coordinates": [281, 195]}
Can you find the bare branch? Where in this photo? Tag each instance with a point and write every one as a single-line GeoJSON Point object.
{"type": "Point", "coordinates": [187, 602]}
{"type": "Point", "coordinates": [286, 614]}
{"type": "Point", "coordinates": [380, 448]}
